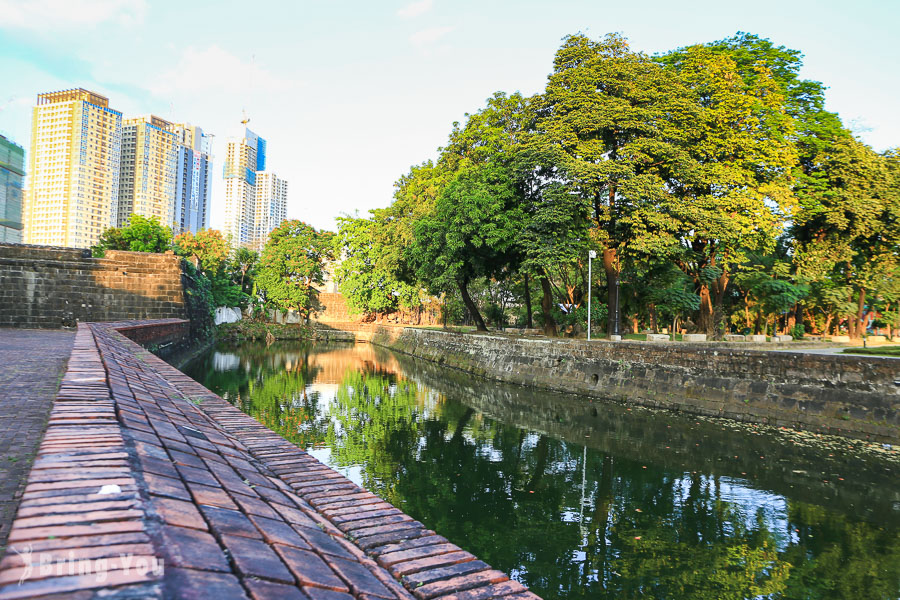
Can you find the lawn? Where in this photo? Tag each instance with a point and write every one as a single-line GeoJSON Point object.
{"type": "Point", "coordinates": [877, 351]}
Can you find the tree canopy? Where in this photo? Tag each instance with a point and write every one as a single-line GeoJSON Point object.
{"type": "Point", "coordinates": [716, 160]}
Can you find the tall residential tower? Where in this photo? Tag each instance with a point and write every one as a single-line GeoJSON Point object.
{"type": "Point", "coordinates": [255, 200]}
{"type": "Point", "coordinates": [193, 179]}
{"type": "Point", "coordinates": [243, 158]}
{"type": "Point", "coordinates": [73, 171]}
{"type": "Point", "coordinates": [147, 179]}
{"type": "Point", "coordinates": [12, 159]}
{"type": "Point", "coordinates": [271, 207]}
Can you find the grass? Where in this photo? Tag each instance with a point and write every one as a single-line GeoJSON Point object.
{"type": "Point", "coordinates": [252, 330]}
{"type": "Point", "coordinates": [642, 337]}
{"type": "Point", "coordinates": [877, 351]}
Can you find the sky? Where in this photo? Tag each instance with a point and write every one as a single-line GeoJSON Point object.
{"type": "Point", "coordinates": [350, 94]}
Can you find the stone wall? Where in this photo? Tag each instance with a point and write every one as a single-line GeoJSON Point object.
{"type": "Point", "coordinates": [42, 286]}
{"type": "Point", "coordinates": [330, 311]}
{"type": "Point", "coordinates": [846, 395]}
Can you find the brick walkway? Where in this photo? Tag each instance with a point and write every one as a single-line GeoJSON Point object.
{"type": "Point", "coordinates": [140, 462]}
{"type": "Point", "coordinates": [31, 364]}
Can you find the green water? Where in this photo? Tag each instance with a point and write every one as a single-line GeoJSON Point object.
{"type": "Point", "coordinates": [578, 498]}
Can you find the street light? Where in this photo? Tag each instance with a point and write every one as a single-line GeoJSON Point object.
{"type": "Point", "coordinates": [591, 255]}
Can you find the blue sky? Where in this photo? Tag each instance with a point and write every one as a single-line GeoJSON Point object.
{"type": "Point", "coordinates": [349, 94]}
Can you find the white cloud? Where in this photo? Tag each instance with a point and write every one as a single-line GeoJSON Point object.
{"type": "Point", "coordinates": [53, 15]}
{"type": "Point", "coordinates": [429, 36]}
{"type": "Point", "coordinates": [213, 71]}
{"type": "Point", "coordinates": [415, 9]}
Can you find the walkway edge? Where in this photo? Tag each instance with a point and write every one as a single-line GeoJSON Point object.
{"type": "Point", "coordinates": [230, 505]}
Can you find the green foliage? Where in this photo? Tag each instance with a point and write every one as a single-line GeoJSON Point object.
{"type": "Point", "coordinates": [472, 231]}
{"type": "Point", "coordinates": [368, 274]}
{"type": "Point", "coordinates": [141, 235]}
{"type": "Point", "coordinates": [242, 268]}
{"type": "Point", "coordinates": [247, 330]}
{"type": "Point", "coordinates": [714, 159]}
{"type": "Point", "coordinates": [292, 262]}
{"type": "Point", "coordinates": [201, 306]}
{"type": "Point", "coordinates": [209, 250]}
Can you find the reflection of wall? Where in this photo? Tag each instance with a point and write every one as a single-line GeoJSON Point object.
{"type": "Point", "coordinates": [51, 287]}
{"type": "Point", "coordinates": [333, 366]}
{"type": "Point", "coordinates": [226, 361]}
{"type": "Point", "coordinates": [680, 443]}
{"type": "Point", "coordinates": [837, 394]}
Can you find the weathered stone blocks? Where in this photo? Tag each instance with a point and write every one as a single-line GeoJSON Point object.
{"type": "Point", "coordinates": [744, 384]}
{"type": "Point", "coordinates": [54, 287]}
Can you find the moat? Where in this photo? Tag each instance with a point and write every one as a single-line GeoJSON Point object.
{"type": "Point", "coordinates": [578, 498]}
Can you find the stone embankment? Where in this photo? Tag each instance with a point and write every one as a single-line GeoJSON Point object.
{"type": "Point", "coordinates": [140, 463]}
{"type": "Point", "coordinates": [839, 394]}
{"type": "Point", "coordinates": [47, 287]}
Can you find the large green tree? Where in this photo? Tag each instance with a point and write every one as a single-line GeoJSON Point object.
{"type": "Point", "coordinates": [471, 233]}
{"type": "Point", "coordinates": [735, 196]}
{"type": "Point", "coordinates": [612, 120]}
{"type": "Point", "coordinates": [291, 264]}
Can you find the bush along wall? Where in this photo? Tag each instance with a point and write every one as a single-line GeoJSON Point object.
{"type": "Point", "coordinates": [199, 304]}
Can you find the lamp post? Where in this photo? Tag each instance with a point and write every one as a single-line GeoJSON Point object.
{"type": "Point", "coordinates": [591, 255]}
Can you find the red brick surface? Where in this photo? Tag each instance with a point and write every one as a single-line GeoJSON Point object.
{"type": "Point", "coordinates": [233, 509]}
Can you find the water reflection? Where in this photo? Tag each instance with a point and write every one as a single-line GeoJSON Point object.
{"type": "Point", "coordinates": [581, 499]}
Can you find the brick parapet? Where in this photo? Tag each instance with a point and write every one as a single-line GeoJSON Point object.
{"type": "Point", "coordinates": [234, 510]}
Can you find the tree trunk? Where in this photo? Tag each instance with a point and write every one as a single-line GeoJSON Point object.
{"type": "Point", "coordinates": [529, 322]}
{"type": "Point", "coordinates": [461, 426]}
{"type": "Point", "coordinates": [550, 329]}
{"type": "Point", "coordinates": [651, 308]}
{"type": "Point", "coordinates": [611, 267]}
{"type": "Point", "coordinates": [861, 319]}
{"type": "Point", "coordinates": [719, 287]}
{"type": "Point", "coordinates": [473, 310]}
{"type": "Point", "coordinates": [705, 322]}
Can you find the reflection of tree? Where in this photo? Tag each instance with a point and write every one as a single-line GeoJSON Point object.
{"type": "Point", "coordinates": [840, 558]}
{"type": "Point", "coordinates": [567, 522]}
{"type": "Point", "coordinates": [269, 385]}
{"type": "Point", "coordinates": [283, 404]}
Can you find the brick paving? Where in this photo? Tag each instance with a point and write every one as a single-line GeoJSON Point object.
{"type": "Point", "coordinates": [31, 364]}
{"type": "Point", "coordinates": [140, 462]}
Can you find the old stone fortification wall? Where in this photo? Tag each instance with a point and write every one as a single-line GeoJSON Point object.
{"type": "Point", "coordinates": [330, 311]}
{"type": "Point", "coordinates": [847, 395]}
{"type": "Point", "coordinates": [42, 286]}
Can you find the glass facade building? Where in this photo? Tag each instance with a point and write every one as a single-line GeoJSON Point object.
{"type": "Point", "coordinates": [12, 175]}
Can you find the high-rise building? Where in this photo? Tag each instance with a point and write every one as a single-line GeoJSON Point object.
{"type": "Point", "coordinates": [271, 207]}
{"type": "Point", "coordinates": [193, 180]}
{"type": "Point", "coordinates": [12, 161]}
{"type": "Point", "coordinates": [244, 157]}
{"type": "Point", "coordinates": [148, 170]}
{"type": "Point", "coordinates": [73, 170]}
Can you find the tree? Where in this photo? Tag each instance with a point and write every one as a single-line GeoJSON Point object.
{"type": "Point", "coordinates": [611, 119]}
{"type": "Point", "coordinates": [734, 197]}
{"type": "Point", "coordinates": [848, 227]}
{"type": "Point", "coordinates": [292, 262]}
{"type": "Point", "coordinates": [207, 248]}
{"type": "Point", "coordinates": [140, 235]}
{"type": "Point", "coordinates": [471, 233]}
{"type": "Point", "coordinates": [243, 267]}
